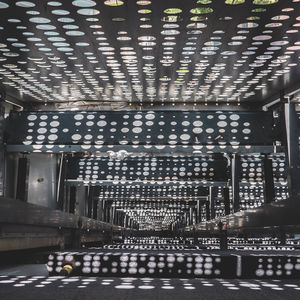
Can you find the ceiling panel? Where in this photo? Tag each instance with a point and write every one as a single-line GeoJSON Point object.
{"type": "Point", "coordinates": [148, 52]}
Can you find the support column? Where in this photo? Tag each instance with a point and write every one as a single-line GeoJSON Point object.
{"type": "Point", "coordinates": [235, 173]}
{"type": "Point", "coordinates": [101, 210]}
{"type": "Point", "coordinates": [213, 193]}
{"type": "Point", "coordinates": [292, 143]}
{"type": "Point", "coordinates": [22, 181]}
{"type": "Point", "coordinates": [198, 212]}
{"type": "Point", "coordinates": [107, 212]}
{"type": "Point", "coordinates": [90, 201]}
{"type": "Point", "coordinates": [207, 209]}
{"type": "Point", "coordinates": [226, 201]}
{"type": "Point", "coordinates": [269, 189]}
{"type": "Point", "coordinates": [61, 191]}
{"type": "Point", "coordinates": [2, 165]}
{"type": "Point", "coordinates": [116, 218]}
{"type": "Point", "coordinates": [112, 215]}
{"type": "Point", "coordinates": [185, 220]}
{"type": "Point", "coordinates": [191, 216]}
{"type": "Point", "coordinates": [72, 200]}
{"type": "Point", "coordinates": [95, 209]}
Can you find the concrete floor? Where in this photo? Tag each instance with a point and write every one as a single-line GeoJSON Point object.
{"type": "Point", "coordinates": [32, 282]}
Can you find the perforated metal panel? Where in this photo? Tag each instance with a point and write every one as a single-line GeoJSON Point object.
{"type": "Point", "coordinates": [165, 129]}
{"type": "Point", "coordinates": [148, 51]}
{"type": "Point", "coordinates": [144, 191]}
{"type": "Point", "coordinates": [147, 168]}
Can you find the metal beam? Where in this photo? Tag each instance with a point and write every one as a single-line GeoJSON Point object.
{"type": "Point", "coordinates": [146, 199]}
{"type": "Point", "coordinates": [90, 197]}
{"type": "Point", "coordinates": [22, 180]}
{"type": "Point", "coordinates": [226, 201]}
{"type": "Point", "coordinates": [207, 210]}
{"type": "Point", "coordinates": [235, 181]}
{"type": "Point", "coordinates": [2, 164]}
{"type": "Point", "coordinates": [269, 188]}
{"type": "Point", "coordinates": [14, 101]}
{"type": "Point", "coordinates": [61, 193]}
{"type": "Point", "coordinates": [281, 95]}
{"type": "Point", "coordinates": [148, 183]}
{"type": "Point", "coordinates": [149, 149]}
{"type": "Point", "coordinates": [293, 153]}
{"type": "Point", "coordinates": [213, 193]}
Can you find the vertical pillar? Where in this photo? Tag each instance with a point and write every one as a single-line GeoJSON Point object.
{"type": "Point", "coordinates": [130, 223]}
{"type": "Point", "coordinates": [112, 215]}
{"type": "Point", "coordinates": [235, 180]}
{"type": "Point", "coordinates": [95, 209]}
{"type": "Point", "coordinates": [2, 164]}
{"type": "Point", "coordinates": [292, 143]}
{"type": "Point", "coordinates": [198, 214]}
{"type": "Point", "coordinates": [116, 218]}
{"type": "Point", "coordinates": [122, 219]}
{"type": "Point", "coordinates": [22, 181]}
{"type": "Point", "coordinates": [213, 193]}
{"type": "Point", "coordinates": [101, 210]}
{"type": "Point", "coordinates": [66, 205]}
{"type": "Point", "coordinates": [72, 199]}
{"type": "Point", "coordinates": [226, 201]}
{"type": "Point", "coordinates": [185, 220]}
{"type": "Point", "coordinates": [207, 209]}
{"type": "Point", "coordinates": [90, 201]}
{"type": "Point", "coordinates": [61, 192]}
{"type": "Point", "coordinates": [191, 216]}
{"type": "Point", "coordinates": [107, 212]}
{"type": "Point", "coordinates": [269, 190]}
{"type": "Point", "coordinates": [119, 218]}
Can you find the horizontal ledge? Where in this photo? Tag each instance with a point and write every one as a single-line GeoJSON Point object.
{"type": "Point", "coordinates": [152, 149]}
{"type": "Point", "coordinates": [74, 182]}
{"type": "Point", "coordinates": [281, 213]}
{"type": "Point", "coordinates": [17, 212]}
{"type": "Point", "coordinates": [150, 182]}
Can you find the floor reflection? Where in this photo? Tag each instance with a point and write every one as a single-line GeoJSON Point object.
{"type": "Point", "coordinates": [145, 283]}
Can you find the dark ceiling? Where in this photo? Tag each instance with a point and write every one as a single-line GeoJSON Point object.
{"type": "Point", "coordinates": [174, 53]}
{"type": "Point", "coordinates": [149, 52]}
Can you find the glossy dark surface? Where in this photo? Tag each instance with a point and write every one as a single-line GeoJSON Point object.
{"type": "Point", "coordinates": [283, 213]}
{"type": "Point", "coordinates": [17, 212]}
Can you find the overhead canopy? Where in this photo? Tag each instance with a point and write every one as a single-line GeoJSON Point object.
{"type": "Point", "coordinates": [160, 162]}
{"type": "Point", "coordinates": [171, 51]}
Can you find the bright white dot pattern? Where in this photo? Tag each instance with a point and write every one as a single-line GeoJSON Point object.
{"type": "Point", "coordinates": [195, 53]}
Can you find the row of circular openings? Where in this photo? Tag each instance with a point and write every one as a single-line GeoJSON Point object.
{"type": "Point", "coordinates": [137, 116]}
{"type": "Point", "coordinates": [206, 10]}
{"type": "Point", "coordinates": [89, 3]}
{"type": "Point", "coordinates": [132, 165]}
{"type": "Point", "coordinates": [151, 161]}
